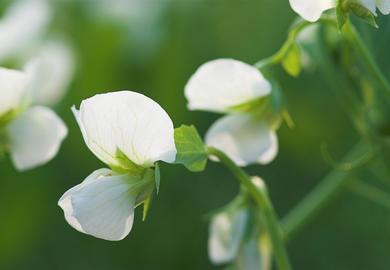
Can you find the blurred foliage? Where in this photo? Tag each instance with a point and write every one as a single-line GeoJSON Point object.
{"type": "Point", "coordinates": [156, 56]}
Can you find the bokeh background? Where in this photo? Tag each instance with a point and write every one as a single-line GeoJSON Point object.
{"type": "Point", "coordinates": [153, 46]}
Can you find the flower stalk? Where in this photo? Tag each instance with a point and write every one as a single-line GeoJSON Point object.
{"type": "Point", "coordinates": [260, 195]}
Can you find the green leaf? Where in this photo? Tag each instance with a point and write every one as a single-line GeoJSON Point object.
{"type": "Point", "coordinates": [147, 203]}
{"type": "Point", "coordinates": [191, 151]}
{"type": "Point", "coordinates": [292, 61]}
{"type": "Point", "coordinates": [157, 176]}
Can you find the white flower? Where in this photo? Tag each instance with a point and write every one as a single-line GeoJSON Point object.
{"type": "Point", "coordinates": [22, 25]}
{"type": "Point", "coordinates": [311, 10]}
{"type": "Point", "coordinates": [225, 235]}
{"type": "Point", "coordinates": [223, 86]}
{"type": "Point", "coordinates": [53, 68]}
{"type": "Point", "coordinates": [33, 134]}
{"type": "Point", "coordinates": [129, 132]}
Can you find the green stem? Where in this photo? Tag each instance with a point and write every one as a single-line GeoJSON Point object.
{"type": "Point", "coordinates": [259, 193]}
{"type": "Point", "coordinates": [371, 193]}
{"type": "Point", "coordinates": [292, 36]}
{"type": "Point", "coordinates": [353, 36]}
{"type": "Point", "coordinates": [321, 196]}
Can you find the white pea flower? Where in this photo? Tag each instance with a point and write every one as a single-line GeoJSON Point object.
{"type": "Point", "coordinates": [22, 25]}
{"type": "Point", "coordinates": [312, 10]}
{"type": "Point", "coordinates": [53, 67]}
{"type": "Point", "coordinates": [226, 234]}
{"type": "Point", "coordinates": [129, 132]}
{"type": "Point", "coordinates": [32, 135]}
{"type": "Point", "coordinates": [247, 134]}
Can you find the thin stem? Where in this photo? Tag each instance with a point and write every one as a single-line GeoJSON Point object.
{"type": "Point", "coordinates": [321, 196]}
{"type": "Point", "coordinates": [292, 36]}
{"type": "Point", "coordinates": [257, 190]}
{"type": "Point", "coordinates": [353, 36]}
{"type": "Point", "coordinates": [371, 193]}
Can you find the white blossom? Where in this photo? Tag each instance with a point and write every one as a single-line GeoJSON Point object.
{"type": "Point", "coordinates": [129, 132]}
{"type": "Point", "coordinates": [222, 86]}
{"type": "Point", "coordinates": [33, 134]}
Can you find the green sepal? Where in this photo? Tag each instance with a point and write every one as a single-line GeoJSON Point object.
{"type": "Point", "coordinates": [191, 151]}
{"type": "Point", "coordinates": [292, 61]}
{"type": "Point", "coordinates": [279, 103]}
{"type": "Point", "coordinates": [125, 165]}
{"type": "Point", "coordinates": [342, 15]}
{"type": "Point", "coordinates": [157, 176]}
{"type": "Point", "coordinates": [362, 12]}
{"type": "Point", "coordinates": [146, 207]}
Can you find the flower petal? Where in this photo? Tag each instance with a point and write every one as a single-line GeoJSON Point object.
{"type": "Point", "coordinates": [221, 84]}
{"type": "Point", "coordinates": [311, 10]}
{"type": "Point", "coordinates": [103, 204]}
{"type": "Point", "coordinates": [130, 122]}
{"type": "Point", "coordinates": [53, 72]}
{"type": "Point", "coordinates": [22, 25]}
{"type": "Point", "coordinates": [226, 232]}
{"type": "Point", "coordinates": [35, 137]}
{"type": "Point", "coordinates": [383, 6]}
{"type": "Point", "coordinates": [243, 139]}
{"type": "Point", "coordinates": [13, 86]}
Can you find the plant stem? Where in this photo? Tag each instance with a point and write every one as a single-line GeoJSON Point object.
{"type": "Point", "coordinates": [321, 196]}
{"type": "Point", "coordinates": [353, 36]}
{"type": "Point", "coordinates": [259, 193]}
{"type": "Point", "coordinates": [371, 193]}
{"type": "Point", "coordinates": [292, 36]}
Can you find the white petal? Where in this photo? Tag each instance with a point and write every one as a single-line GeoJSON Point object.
{"type": "Point", "coordinates": [36, 136]}
{"type": "Point", "coordinates": [101, 206]}
{"type": "Point", "coordinates": [383, 6]}
{"type": "Point", "coordinates": [243, 139]}
{"type": "Point", "coordinates": [54, 70]}
{"type": "Point", "coordinates": [221, 84]}
{"type": "Point", "coordinates": [22, 25]}
{"type": "Point", "coordinates": [226, 232]}
{"type": "Point", "coordinates": [13, 86]}
{"type": "Point", "coordinates": [130, 122]}
{"type": "Point", "coordinates": [311, 10]}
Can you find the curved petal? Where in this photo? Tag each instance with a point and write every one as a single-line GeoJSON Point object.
{"type": "Point", "coordinates": [23, 23]}
{"type": "Point", "coordinates": [226, 232]}
{"type": "Point", "coordinates": [103, 204]}
{"type": "Point", "coordinates": [383, 6]}
{"type": "Point", "coordinates": [311, 10]}
{"type": "Point", "coordinates": [243, 139]}
{"type": "Point", "coordinates": [130, 122]}
{"type": "Point", "coordinates": [13, 86]}
{"type": "Point", "coordinates": [35, 137]}
{"type": "Point", "coordinates": [53, 72]}
{"type": "Point", "coordinates": [221, 84]}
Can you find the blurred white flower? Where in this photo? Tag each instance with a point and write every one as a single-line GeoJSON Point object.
{"type": "Point", "coordinates": [129, 132]}
{"type": "Point", "coordinates": [22, 26]}
{"type": "Point", "coordinates": [311, 10]}
{"type": "Point", "coordinates": [226, 234]}
{"type": "Point", "coordinates": [224, 86]}
{"type": "Point", "coordinates": [54, 69]}
{"type": "Point", "coordinates": [33, 134]}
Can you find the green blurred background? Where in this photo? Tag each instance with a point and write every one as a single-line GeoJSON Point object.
{"type": "Point", "coordinates": [153, 47]}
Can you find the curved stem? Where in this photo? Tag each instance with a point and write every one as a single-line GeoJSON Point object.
{"type": "Point", "coordinates": [321, 196]}
{"type": "Point", "coordinates": [292, 36]}
{"type": "Point", "coordinates": [256, 188]}
{"type": "Point", "coordinates": [353, 36]}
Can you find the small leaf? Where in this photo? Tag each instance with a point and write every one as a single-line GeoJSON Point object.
{"type": "Point", "coordinates": [292, 61]}
{"type": "Point", "coordinates": [341, 14]}
{"type": "Point", "coordinates": [157, 176]}
{"type": "Point", "coordinates": [191, 151]}
{"type": "Point", "coordinates": [147, 203]}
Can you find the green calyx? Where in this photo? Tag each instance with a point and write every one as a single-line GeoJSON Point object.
{"type": "Point", "coordinates": [345, 6]}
